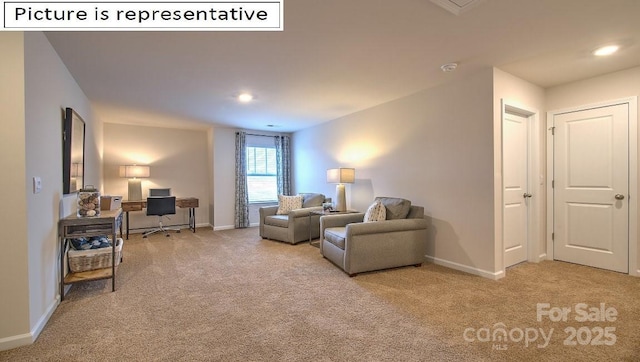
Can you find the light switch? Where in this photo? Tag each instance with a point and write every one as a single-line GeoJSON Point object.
{"type": "Point", "coordinates": [37, 185]}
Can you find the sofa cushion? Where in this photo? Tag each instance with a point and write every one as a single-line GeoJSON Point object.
{"type": "Point", "coordinates": [288, 203]}
{"type": "Point", "coordinates": [312, 200]}
{"type": "Point", "coordinates": [375, 212]}
{"type": "Point", "coordinates": [397, 208]}
{"type": "Point", "coordinates": [277, 220]}
{"type": "Point", "coordinates": [336, 236]}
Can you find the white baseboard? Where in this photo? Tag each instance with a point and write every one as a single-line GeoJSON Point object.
{"type": "Point", "coordinates": [28, 338]}
{"type": "Point", "coordinates": [229, 227]}
{"type": "Point", "coordinates": [37, 329]}
{"type": "Point", "coordinates": [465, 268]}
{"type": "Point", "coordinates": [144, 229]}
{"type": "Point", "coordinates": [15, 341]}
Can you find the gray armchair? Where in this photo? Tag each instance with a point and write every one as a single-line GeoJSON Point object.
{"type": "Point", "coordinates": [356, 246]}
{"type": "Point", "coordinates": [296, 225]}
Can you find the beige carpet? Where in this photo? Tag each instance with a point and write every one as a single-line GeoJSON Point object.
{"type": "Point", "coordinates": [230, 296]}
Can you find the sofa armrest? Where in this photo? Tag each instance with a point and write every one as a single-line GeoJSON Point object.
{"type": "Point", "coordinates": [339, 220]}
{"type": "Point", "coordinates": [304, 212]}
{"type": "Point", "coordinates": [268, 211]}
{"type": "Point", "coordinates": [387, 226]}
{"type": "Point", "coordinates": [264, 212]}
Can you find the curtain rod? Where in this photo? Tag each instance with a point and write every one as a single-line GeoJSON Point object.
{"type": "Point", "coordinates": [266, 135]}
{"type": "Point", "coordinates": [260, 135]}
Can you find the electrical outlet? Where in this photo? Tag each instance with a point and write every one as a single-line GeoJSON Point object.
{"type": "Point", "coordinates": [37, 185]}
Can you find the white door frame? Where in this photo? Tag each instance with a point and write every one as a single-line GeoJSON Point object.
{"type": "Point", "coordinates": [634, 192]}
{"type": "Point", "coordinates": [535, 178]}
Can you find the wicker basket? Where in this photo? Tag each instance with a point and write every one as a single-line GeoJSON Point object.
{"type": "Point", "coordinates": [85, 260]}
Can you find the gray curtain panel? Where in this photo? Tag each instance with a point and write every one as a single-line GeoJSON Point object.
{"type": "Point", "coordinates": [283, 160]}
{"type": "Point", "coordinates": [242, 194]}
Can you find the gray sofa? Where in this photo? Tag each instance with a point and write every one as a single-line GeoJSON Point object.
{"type": "Point", "coordinates": [356, 246]}
{"type": "Point", "coordinates": [296, 225]}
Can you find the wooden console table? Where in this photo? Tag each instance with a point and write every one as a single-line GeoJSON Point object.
{"type": "Point", "coordinates": [182, 202]}
{"type": "Point", "coordinates": [108, 223]}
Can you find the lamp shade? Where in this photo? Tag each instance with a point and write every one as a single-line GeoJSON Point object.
{"type": "Point", "coordinates": [341, 175]}
{"type": "Point", "coordinates": [134, 171]}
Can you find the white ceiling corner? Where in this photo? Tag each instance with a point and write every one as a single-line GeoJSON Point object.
{"type": "Point", "coordinates": [457, 6]}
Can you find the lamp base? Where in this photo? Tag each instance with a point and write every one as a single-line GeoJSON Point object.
{"type": "Point", "coordinates": [341, 199]}
{"type": "Point", "coordinates": [135, 189]}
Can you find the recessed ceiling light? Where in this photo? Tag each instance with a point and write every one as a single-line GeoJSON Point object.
{"type": "Point", "coordinates": [245, 97]}
{"type": "Point", "coordinates": [608, 50]}
{"type": "Point", "coordinates": [449, 67]}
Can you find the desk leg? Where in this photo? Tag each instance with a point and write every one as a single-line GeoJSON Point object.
{"type": "Point", "coordinates": [120, 224]}
{"type": "Point", "coordinates": [127, 216]}
{"type": "Point", "coordinates": [113, 261]}
{"type": "Point", "coordinates": [62, 270]}
{"type": "Point", "coordinates": [192, 219]}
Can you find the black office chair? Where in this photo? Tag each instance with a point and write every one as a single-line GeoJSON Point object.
{"type": "Point", "coordinates": [161, 206]}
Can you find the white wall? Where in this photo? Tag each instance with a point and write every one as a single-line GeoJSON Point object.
{"type": "Point", "coordinates": [224, 148]}
{"type": "Point", "coordinates": [49, 89]}
{"type": "Point", "coordinates": [178, 159]}
{"type": "Point", "coordinates": [611, 86]}
{"type": "Point", "coordinates": [434, 148]}
{"type": "Point", "coordinates": [14, 273]}
{"type": "Point", "coordinates": [37, 87]}
{"type": "Point", "coordinates": [210, 168]}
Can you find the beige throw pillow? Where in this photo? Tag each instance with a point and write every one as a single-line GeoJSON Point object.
{"type": "Point", "coordinates": [288, 203]}
{"type": "Point", "coordinates": [375, 212]}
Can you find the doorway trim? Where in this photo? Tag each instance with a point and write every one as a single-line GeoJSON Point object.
{"type": "Point", "coordinates": [535, 178]}
{"type": "Point", "coordinates": [634, 191]}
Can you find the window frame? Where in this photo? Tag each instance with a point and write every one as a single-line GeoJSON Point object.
{"type": "Point", "coordinates": [270, 169]}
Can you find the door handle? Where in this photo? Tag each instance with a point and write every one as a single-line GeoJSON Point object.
{"type": "Point", "coordinates": [527, 195]}
{"type": "Point", "coordinates": [619, 197]}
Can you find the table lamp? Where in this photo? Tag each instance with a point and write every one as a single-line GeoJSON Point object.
{"type": "Point", "coordinates": [134, 173]}
{"type": "Point", "coordinates": [341, 176]}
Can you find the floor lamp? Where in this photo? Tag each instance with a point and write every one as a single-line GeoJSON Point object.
{"type": "Point", "coordinates": [341, 176]}
{"type": "Point", "coordinates": [134, 173]}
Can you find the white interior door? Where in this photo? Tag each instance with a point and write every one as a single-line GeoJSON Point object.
{"type": "Point", "coordinates": [515, 138]}
{"type": "Point", "coordinates": [591, 187]}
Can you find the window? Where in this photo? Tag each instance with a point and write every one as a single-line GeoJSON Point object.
{"type": "Point", "coordinates": [262, 182]}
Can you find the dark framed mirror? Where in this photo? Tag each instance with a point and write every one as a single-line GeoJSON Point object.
{"type": "Point", "coordinates": [72, 152]}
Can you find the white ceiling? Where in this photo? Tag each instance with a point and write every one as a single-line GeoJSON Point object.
{"type": "Point", "coordinates": [336, 57]}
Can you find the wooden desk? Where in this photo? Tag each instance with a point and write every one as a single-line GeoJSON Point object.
{"type": "Point", "coordinates": [182, 202]}
{"type": "Point", "coordinates": [72, 226]}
